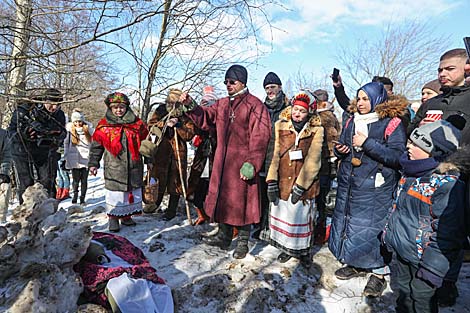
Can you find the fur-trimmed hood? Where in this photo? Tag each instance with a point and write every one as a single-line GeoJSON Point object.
{"type": "Point", "coordinates": [395, 106]}
{"type": "Point", "coordinates": [285, 122]}
{"type": "Point", "coordinates": [457, 161]}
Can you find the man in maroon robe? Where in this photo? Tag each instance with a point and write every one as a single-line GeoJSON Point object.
{"type": "Point", "coordinates": [243, 129]}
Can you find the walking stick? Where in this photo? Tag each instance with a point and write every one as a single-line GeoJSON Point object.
{"type": "Point", "coordinates": [180, 169]}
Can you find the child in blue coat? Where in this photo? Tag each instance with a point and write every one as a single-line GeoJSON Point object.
{"type": "Point", "coordinates": [426, 227]}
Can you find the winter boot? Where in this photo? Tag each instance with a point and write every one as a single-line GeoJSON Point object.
{"type": "Point", "coordinates": [201, 217]}
{"type": "Point", "coordinates": [447, 294]}
{"type": "Point", "coordinates": [65, 193]}
{"type": "Point", "coordinates": [375, 286]}
{"type": "Point", "coordinates": [113, 224]}
{"type": "Point", "coordinates": [128, 221]}
{"type": "Point", "coordinates": [59, 193]}
{"type": "Point", "coordinates": [242, 244]}
{"type": "Point", "coordinates": [222, 239]}
{"type": "Point", "coordinates": [82, 200]}
{"type": "Point", "coordinates": [75, 197]}
{"type": "Point", "coordinates": [170, 213]}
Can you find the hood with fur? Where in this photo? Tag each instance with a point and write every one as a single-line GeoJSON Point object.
{"type": "Point", "coordinates": [458, 161]}
{"type": "Point", "coordinates": [395, 106]}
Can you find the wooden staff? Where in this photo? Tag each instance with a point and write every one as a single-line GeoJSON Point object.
{"type": "Point", "coordinates": [180, 169]}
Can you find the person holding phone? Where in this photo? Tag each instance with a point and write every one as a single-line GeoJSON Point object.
{"type": "Point", "coordinates": [369, 150]}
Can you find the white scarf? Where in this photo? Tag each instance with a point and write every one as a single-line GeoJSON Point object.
{"type": "Point", "coordinates": [361, 121]}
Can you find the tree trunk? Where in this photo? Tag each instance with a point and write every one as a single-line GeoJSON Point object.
{"type": "Point", "coordinates": [16, 83]}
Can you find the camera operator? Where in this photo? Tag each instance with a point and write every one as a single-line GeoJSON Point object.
{"type": "Point", "coordinates": [37, 129]}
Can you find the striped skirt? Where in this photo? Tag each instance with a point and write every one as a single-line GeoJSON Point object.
{"type": "Point", "coordinates": [291, 226]}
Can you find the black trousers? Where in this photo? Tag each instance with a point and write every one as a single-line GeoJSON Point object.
{"type": "Point", "coordinates": [44, 165]}
{"type": "Point", "coordinates": [80, 177]}
{"type": "Point", "coordinates": [414, 294]}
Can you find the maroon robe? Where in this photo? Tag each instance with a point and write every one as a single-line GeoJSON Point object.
{"type": "Point", "coordinates": [230, 199]}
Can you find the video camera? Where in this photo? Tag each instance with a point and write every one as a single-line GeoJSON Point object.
{"type": "Point", "coordinates": [36, 125]}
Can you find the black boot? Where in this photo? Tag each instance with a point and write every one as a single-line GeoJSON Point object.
{"type": "Point", "coordinates": [82, 200]}
{"type": "Point", "coordinates": [242, 244]}
{"type": "Point", "coordinates": [75, 197]}
{"type": "Point", "coordinates": [222, 239]}
{"type": "Point", "coordinates": [170, 213]}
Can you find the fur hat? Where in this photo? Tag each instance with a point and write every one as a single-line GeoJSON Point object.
{"type": "Point", "coordinates": [322, 95]}
{"type": "Point", "coordinates": [440, 138]}
{"type": "Point", "coordinates": [434, 85]}
{"type": "Point", "coordinates": [77, 116]}
{"type": "Point", "coordinates": [305, 99]}
{"type": "Point", "coordinates": [271, 78]}
{"type": "Point", "coordinates": [116, 97]}
{"type": "Point", "coordinates": [172, 102]}
{"type": "Point", "coordinates": [376, 93]}
{"type": "Point", "coordinates": [237, 72]}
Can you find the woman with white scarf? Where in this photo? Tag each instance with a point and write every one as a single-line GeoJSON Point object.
{"type": "Point", "coordinates": [76, 151]}
{"type": "Point", "coordinates": [369, 149]}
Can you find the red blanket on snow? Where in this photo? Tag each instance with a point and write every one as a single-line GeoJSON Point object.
{"type": "Point", "coordinates": [96, 276]}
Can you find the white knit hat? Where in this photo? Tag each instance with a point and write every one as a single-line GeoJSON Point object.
{"type": "Point", "coordinates": [77, 116]}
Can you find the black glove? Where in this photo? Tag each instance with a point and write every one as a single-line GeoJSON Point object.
{"type": "Point", "coordinates": [297, 192]}
{"type": "Point", "coordinates": [429, 277]}
{"type": "Point", "coordinates": [4, 179]}
{"type": "Point", "coordinates": [273, 191]}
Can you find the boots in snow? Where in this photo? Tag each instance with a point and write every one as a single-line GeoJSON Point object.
{"type": "Point", "coordinates": [65, 193]}
{"type": "Point", "coordinates": [82, 200]}
{"type": "Point", "coordinates": [113, 224]}
{"type": "Point", "coordinates": [222, 239]}
{"type": "Point", "coordinates": [58, 194]}
{"type": "Point", "coordinates": [201, 217]}
{"type": "Point", "coordinates": [75, 197]}
{"type": "Point", "coordinates": [170, 212]}
{"type": "Point", "coordinates": [242, 243]}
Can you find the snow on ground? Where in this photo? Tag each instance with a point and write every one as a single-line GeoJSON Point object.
{"type": "Point", "coordinates": [207, 279]}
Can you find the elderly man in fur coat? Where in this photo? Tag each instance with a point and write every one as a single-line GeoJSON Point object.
{"type": "Point", "coordinates": [243, 130]}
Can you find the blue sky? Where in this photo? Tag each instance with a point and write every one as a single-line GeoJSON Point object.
{"type": "Point", "coordinates": [308, 32]}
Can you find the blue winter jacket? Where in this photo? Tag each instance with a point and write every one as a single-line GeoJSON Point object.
{"type": "Point", "coordinates": [362, 208]}
{"type": "Point", "coordinates": [426, 226]}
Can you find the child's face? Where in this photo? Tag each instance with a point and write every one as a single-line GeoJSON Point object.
{"type": "Point", "coordinates": [118, 109]}
{"type": "Point", "coordinates": [415, 152]}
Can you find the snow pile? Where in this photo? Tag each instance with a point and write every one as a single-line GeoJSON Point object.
{"type": "Point", "coordinates": [38, 248]}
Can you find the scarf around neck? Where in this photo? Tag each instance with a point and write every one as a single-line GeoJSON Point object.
{"type": "Point", "coordinates": [417, 168]}
{"type": "Point", "coordinates": [109, 132]}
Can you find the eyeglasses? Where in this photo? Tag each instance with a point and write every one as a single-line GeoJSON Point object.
{"type": "Point", "coordinates": [230, 81]}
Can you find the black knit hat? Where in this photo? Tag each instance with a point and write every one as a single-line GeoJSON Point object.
{"type": "Point", "coordinates": [271, 78]}
{"type": "Point", "coordinates": [49, 95]}
{"type": "Point", "coordinates": [237, 72]}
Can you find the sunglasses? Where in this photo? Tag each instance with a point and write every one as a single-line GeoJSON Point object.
{"type": "Point", "coordinates": [230, 82]}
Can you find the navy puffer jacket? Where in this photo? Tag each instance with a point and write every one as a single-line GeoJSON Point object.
{"type": "Point", "coordinates": [362, 208]}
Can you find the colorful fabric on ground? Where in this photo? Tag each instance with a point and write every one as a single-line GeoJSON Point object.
{"type": "Point", "coordinates": [96, 276]}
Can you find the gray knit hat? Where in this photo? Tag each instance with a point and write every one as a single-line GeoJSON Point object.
{"type": "Point", "coordinates": [439, 138]}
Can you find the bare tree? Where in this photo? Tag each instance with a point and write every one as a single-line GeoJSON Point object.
{"type": "Point", "coordinates": [189, 45]}
{"type": "Point", "coordinates": [408, 54]}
